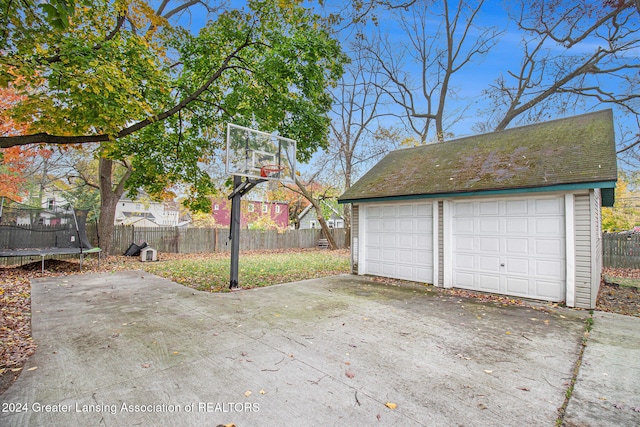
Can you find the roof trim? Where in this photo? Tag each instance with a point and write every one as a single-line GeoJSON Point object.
{"type": "Point", "coordinates": [550, 188]}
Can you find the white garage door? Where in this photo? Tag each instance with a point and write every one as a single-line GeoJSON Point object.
{"type": "Point", "coordinates": [510, 246]}
{"type": "Point", "coordinates": [398, 241]}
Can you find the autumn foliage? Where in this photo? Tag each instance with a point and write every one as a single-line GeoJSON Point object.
{"type": "Point", "coordinates": [14, 160]}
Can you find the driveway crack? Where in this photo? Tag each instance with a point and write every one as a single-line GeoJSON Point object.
{"type": "Point", "coordinates": [588, 325]}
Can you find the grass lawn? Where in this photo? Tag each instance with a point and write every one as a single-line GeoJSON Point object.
{"type": "Point", "coordinates": [255, 269]}
{"type": "Point", "coordinates": [629, 282]}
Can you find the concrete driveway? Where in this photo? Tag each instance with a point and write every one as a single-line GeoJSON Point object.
{"type": "Point", "coordinates": [134, 349]}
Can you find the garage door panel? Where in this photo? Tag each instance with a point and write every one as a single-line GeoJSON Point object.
{"type": "Point", "coordinates": [489, 263]}
{"type": "Point", "coordinates": [374, 212]}
{"type": "Point", "coordinates": [464, 280]}
{"type": "Point", "coordinates": [423, 242]}
{"type": "Point", "coordinates": [549, 206]}
{"type": "Point", "coordinates": [389, 225]}
{"type": "Point", "coordinates": [549, 268]}
{"type": "Point", "coordinates": [405, 271]}
{"type": "Point", "coordinates": [374, 239]}
{"type": "Point", "coordinates": [463, 243]}
{"type": "Point", "coordinates": [549, 226]}
{"type": "Point", "coordinates": [489, 244]}
{"type": "Point", "coordinates": [406, 225]}
{"type": "Point", "coordinates": [517, 246]}
{"type": "Point", "coordinates": [490, 283]}
{"type": "Point", "coordinates": [517, 266]}
{"type": "Point", "coordinates": [374, 252]}
{"type": "Point", "coordinates": [548, 289]}
{"type": "Point", "coordinates": [389, 239]}
{"type": "Point", "coordinates": [462, 261]}
{"type": "Point", "coordinates": [489, 208]}
{"type": "Point", "coordinates": [517, 286]}
{"type": "Point", "coordinates": [511, 246]}
{"type": "Point", "coordinates": [389, 270]}
{"type": "Point", "coordinates": [489, 225]}
{"type": "Point", "coordinates": [389, 255]}
{"type": "Point", "coordinates": [516, 226]}
{"type": "Point", "coordinates": [462, 225]}
{"type": "Point", "coordinates": [423, 274]}
{"type": "Point", "coordinates": [549, 247]}
{"type": "Point", "coordinates": [516, 207]}
{"type": "Point", "coordinates": [406, 241]}
{"type": "Point", "coordinates": [423, 258]}
{"type": "Point", "coordinates": [389, 211]}
{"type": "Point", "coordinates": [374, 225]}
{"type": "Point", "coordinates": [424, 225]}
{"type": "Point", "coordinates": [424, 210]}
{"type": "Point", "coordinates": [405, 255]}
{"type": "Point", "coordinates": [406, 210]}
{"type": "Point", "coordinates": [375, 269]}
{"type": "Point", "coordinates": [464, 209]}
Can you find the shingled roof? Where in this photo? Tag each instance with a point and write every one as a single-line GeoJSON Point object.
{"type": "Point", "coordinates": [574, 150]}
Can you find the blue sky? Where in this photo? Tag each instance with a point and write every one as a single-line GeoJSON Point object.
{"type": "Point", "coordinates": [476, 76]}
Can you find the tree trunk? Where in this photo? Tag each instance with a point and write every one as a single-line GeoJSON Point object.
{"type": "Point", "coordinates": [109, 196]}
{"type": "Point", "coordinates": [318, 208]}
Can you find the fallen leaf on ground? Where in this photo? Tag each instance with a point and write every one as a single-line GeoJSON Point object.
{"type": "Point", "coordinates": [349, 374]}
{"type": "Point", "coordinates": [391, 405]}
{"type": "Point", "coordinates": [247, 393]}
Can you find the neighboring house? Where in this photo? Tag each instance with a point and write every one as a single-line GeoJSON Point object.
{"type": "Point", "coordinates": [308, 218]}
{"type": "Point", "coordinates": [147, 213]}
{"type": "Point", "coordinates": [51, 201]}
{"type": "Point", "coordinates": [514, 212]}
{"type": "Point", "coordinates": [251, 212]}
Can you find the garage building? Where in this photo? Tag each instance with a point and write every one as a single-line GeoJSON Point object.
{"type": "Point", "coordinates": [515, 212]}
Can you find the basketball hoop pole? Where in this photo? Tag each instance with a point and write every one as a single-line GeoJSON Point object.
{"type": "Point", "coordinates": [235, 231]}
{"type": "Point", "coordinates": [240, 188]}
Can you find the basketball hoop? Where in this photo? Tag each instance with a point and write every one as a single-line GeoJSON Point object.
{"type": "Point", "coordinates": [268, 171]}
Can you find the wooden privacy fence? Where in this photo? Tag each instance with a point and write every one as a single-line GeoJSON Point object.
{"type": "Point", "coordinates": [621, 250]}
{"type": "Point", "coordinates": [194, 240]}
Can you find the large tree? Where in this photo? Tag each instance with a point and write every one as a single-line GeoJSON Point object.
{"type": "Point", "coordinates": [574, 54]}
{"type": "Point", "coordinates": [439, 40]}
{"type": "Point", "coordinates": [155, 95]}
{"type": "Point", "coordinates": [571, 57]}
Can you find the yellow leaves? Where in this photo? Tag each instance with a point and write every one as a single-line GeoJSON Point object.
{"type": "Point", "coordinates": [391, 405]}
{"type": "Point", "coordinates": [247, 393]}
{"type": "Point", "coordinates": [409, 142]}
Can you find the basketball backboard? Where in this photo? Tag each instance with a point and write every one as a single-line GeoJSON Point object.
{"type": "Point", "coordinates": [259, 155]}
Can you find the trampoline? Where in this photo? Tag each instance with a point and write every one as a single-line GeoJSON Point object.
{"type": "Point", "coordinates": [27, 231]}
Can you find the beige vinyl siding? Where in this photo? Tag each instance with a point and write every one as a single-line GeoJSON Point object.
{"type": "Point", "coordinates": [355, 228]}
{"type": "Point", "coordinates": [440, 279]}
{"type": "Point", "coordinates": [583, 233]}
{"type": "Point", "coordinates": [596, 244]}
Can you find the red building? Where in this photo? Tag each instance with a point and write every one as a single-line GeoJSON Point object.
{"type": "Point", "coordinates": [252, 213]}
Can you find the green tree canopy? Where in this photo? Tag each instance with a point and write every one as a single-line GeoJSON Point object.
{"type": "Point", "coordinates": [155, 94]}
